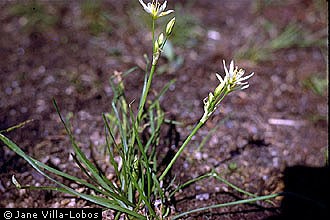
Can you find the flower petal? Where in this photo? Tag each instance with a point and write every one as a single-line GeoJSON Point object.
{"type": "Point", "coordinates": [162, 8]}
{"type": "Point", "coordinates": [241, 82]}
{"type": "Point", "coordinates": [145, 7]}
{"type": "Point", "coordinates": [219, 77]}
{"type": "Point", "coordinates": [231, 68]}
{"type": "Point", "coordinates": [165, 13]}
{"type": "Point", "coordinates": [224, 66]}
{"type": "Point", "coordinates": [245, 87]}
{"type": "Point", "coordinates": [240, 73]}
{"type": "Point", "coordinates": [246, 77]}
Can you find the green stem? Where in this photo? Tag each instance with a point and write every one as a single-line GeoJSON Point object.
{"type": "Point", "coordinates": [145, 90]}
{"type": "Point", "coordinates": [197, 127]}
{"type": "Point", "coordinates": [218, 177]}
{"type": "Point", "coordinates": [145, 93]}
{"type": "Point", "coordinates": [226, 204]}
{"type": "Point", "coordinates": [153, 34]}
{"type": "Point", "coordinates": [190, 182]}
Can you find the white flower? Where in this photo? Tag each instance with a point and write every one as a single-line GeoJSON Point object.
{"type": "Point", "coordinates": [233, 78]}
{"type": "Point", "coordinates": [155, 9]}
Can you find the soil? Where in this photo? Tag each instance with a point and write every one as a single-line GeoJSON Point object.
{"type": "Point", "coordinates": [278, 126]}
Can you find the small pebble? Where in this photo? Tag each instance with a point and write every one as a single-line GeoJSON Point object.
{"type": "Point", "coordinates": [213, 35]}
{"type": "Point", "coordinates": [55, 160]}
{"type": "Point", "coordinates": [198, 155]}
{"type": "Point", "coordinates": [64, 202]}
{"type": "Point", "coordinates": [10, 205]}
{"type": "Point", "coordinates": [72, 203]}
{"type": "Point", "coordinates": [185, 165]}
{"type": "Point", "coordinates": [203, 196]}
{"type": "Point", "coordinates": [8, 90]}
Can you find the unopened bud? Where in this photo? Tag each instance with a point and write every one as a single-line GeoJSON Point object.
{"type": "Point", "coordinates": [160, 40]}
{"type": "Point", "coordinates": [156, 46]}
{"type": "Point", "coordinates": [169, 26]}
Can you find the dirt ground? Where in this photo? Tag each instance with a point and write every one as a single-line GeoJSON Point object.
{"type": "Point", "coordinates": [267, 138]}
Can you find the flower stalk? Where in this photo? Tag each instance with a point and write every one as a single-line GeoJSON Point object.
{"type": "Point", "coordinates": [156, 10]}
{"type": "Point", "coordinates": [232, 81]}
{"type": "Point", "coordinates": [178, 153]}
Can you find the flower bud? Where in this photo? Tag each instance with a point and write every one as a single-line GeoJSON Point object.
{"type": "Point", "coordinates": [169, 26]}
{"type": "Point", "coordinates": [160, 40]}
{"type": "Point", "coordinates": [156, 46]}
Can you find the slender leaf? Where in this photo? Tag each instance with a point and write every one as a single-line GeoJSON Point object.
{"type": "Point", "coordinates": [208, 208]}
{"type": "Point", "coordinates": [20, 125]}
{"type": "Point", "coordinates": [111, 156]}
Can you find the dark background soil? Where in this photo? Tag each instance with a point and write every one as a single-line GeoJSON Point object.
{"type": "Point", "coordinates": [69, 50]}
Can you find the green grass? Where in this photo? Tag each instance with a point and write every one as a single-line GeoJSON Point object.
{"type": "Point", "coordinates": [292, 36]}
{"type": "Point", "coordinates": [34, 15]}
{"type": "Point", "coordinates": [186, 32]}
{"type": "Point", "coordinates": [96, 17]}
{"type": "Point", "coordinates": [317, 84]}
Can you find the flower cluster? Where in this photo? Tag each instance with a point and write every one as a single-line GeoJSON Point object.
{"type": "Point", "coordinates": [232, 81]}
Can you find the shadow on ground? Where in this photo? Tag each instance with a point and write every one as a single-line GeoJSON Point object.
{"type": "Point", "coordinates": [307, 195]}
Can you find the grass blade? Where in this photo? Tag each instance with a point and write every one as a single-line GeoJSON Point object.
{"type": "Point", "coordinates": [20, 125]}
{"type": "Point", "coordinates": [226, 204]}
{"type": "Point", "coordinates": [111, 155]}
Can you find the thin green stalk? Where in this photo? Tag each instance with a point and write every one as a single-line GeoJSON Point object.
{"type": "Point", "coordinates": [226, 204]}
{"type": "Point", "coordinates": [145, 90]}
{"type": "Point", "coordinates": [217, 176]}
{"type": "Point", "coordinates": [190, 182]}
{"type": "Point", "coordinates": [145, 93]}
{"type": "Point", "coordinates": [148, 170]}
{"type": "Point", "coordinates": [209, 135]}
{"type": "Point", "coordinates": [197, 127]}
{"type": "Point", "coordinates": [153, 34]}
{"type": "Point", "coordinates": [20, 125]}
